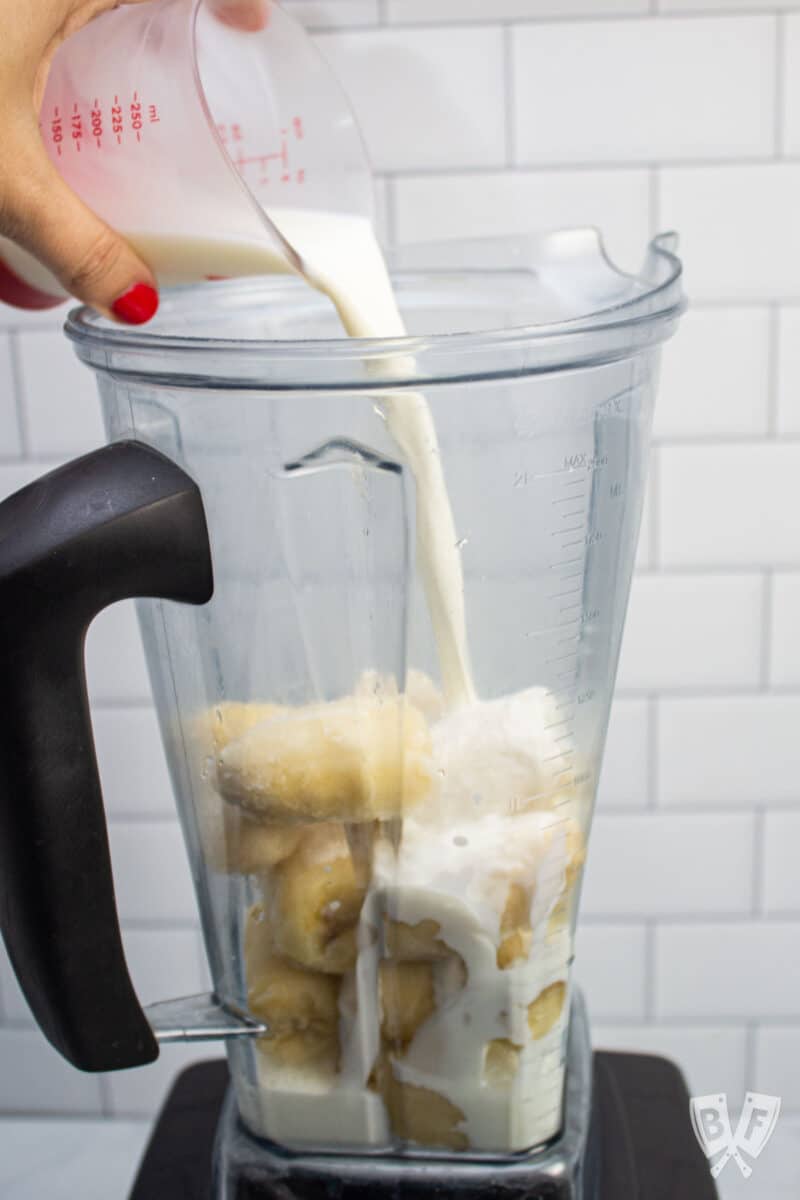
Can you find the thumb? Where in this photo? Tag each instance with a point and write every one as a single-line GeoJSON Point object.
{"type": "Point", "coordinates": [90, 260]}
{"type": "Point", "coordinates": [249, 15]}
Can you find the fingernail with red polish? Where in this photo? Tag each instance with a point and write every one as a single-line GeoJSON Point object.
{"type": "Point", "coordinates": [137, 306]}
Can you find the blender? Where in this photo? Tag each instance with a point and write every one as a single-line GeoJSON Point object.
{"type": "Point", "coordinates": [387, 854]}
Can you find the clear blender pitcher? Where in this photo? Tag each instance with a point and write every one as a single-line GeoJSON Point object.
{"type": "Point", "coordinates": [388, 881]}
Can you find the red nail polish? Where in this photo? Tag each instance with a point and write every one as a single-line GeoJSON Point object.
{"type": "Point", "coordinates": [138, 305]}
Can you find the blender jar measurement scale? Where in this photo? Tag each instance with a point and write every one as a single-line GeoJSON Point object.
{"type": "Point", "coordinates": [588, 518]}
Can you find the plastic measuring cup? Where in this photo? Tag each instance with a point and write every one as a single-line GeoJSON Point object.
{"type": "Point", "coordinates": [184, 133]}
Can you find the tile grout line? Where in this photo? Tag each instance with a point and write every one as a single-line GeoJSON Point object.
{"type": "Point", "coordinates": [691, 919]}
{"type": "Point", "coordinates": [106, 1102]}
{"type": "Point", "coordinates": [759, 850]}
{"type": "Point", "coordinates": [590, 166]}
{"type": "Point", "coordinates": [654, 548]}
{"type": "Point", "coordinates": [650, 971]}
{"type": "Point", "coordinates": [19, 396]}
{"type": "Point", "coordinates": [750, 1054]}
{"type": "Point", "coordinates": [611, 812]}
{"type": "Point", "coordinates": [510, 91]}
{"type": "Point", "coordinates": [589, 18]}
{"type": "Point", "coordinates": [767, 603]}
{"type": "Point", "coordinates": [653, 790]}
{"type": "Point", "coordinates": [390, 194]}
{"type": "Point", "coordinates": [654, 199]}
{"type": "Point", "coordinates": [780, 83]}
{"type": "Point", "coordinates": [773, 370]}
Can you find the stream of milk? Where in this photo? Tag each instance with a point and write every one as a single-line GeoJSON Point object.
{"type": "Point", "coordinates": [342, 259]}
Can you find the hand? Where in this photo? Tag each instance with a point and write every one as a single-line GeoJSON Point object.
{"type": "Point", "coordinates": [38, 210]}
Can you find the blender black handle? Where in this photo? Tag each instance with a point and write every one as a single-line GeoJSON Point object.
{"type": "Point", "coordinates": [121, 522]}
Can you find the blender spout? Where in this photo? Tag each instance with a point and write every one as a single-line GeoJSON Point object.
{"type": "Point", "coordinates": [342, 517]}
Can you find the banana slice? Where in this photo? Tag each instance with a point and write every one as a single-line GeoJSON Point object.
{"type": "Point", "coordinates": [516, 932]}
{"type": "Point", "coordinates": [414, 943]}
{"type": "Point", "coordinates": [545, 1011]}
{"type": "Point", "coordinates": [231, 719]}
{"type": "Point", "coordinates": [235, 844]}
{"type": "Point", "coordinates": [313, 902]}
{"type": "Point", "coordinates": [500, 1063]}
{"type": "Point", "coordinates": [361, 758]}
{"type": "Point", "coordinates": [231, 844]}
{"type": "Point", "coordinates": [515, 928]}
{"type": "Point", "coordinates": [407, 999]}
{"type": "Point", "coordinates": [301, 1009]}
{"type": "Point", "coordinates": [576, 852]}
{"type": "Point", "coordinates": [419, 1114]}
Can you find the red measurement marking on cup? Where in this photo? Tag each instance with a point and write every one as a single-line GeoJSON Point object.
{"type": "Point", "coordinates": [57, 130]}
{"type": "Point", "coordinates": [136, 116]}
{"type": "Point", "coordinates": [77, 126]}
{"type": "Point", "coordinates": [117, 124]}
{"type": "Point", "coordinates": [97, 123]}
{"type": "Point", "coordinates": [262, 168]}
{"type": "Point", "coordinates": [91, 122]}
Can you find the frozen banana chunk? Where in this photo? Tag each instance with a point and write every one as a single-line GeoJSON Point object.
{"type": "Point", "coordinates": [229, 720]}
{"type": "Point", "coordinates": [414, 943]}
{"type": "Point", "coordinates": [576, 852]}
{"type": "Point", "coordinates": [421, 691]}
{"type": "Point", "coordinates": [230, 844]}
{"type": "Point", "coordinates": [498, 755]}
{"type": "Point", "coordinates": [425, 695]}
{"type": "Point", "coordinates": [500, 1063]}
{"type": "Point", "coordinates": [236, 844]}
{"type": "Point", "coordinates": [420, 1115]}
{"type": "Point", "coordinates": [258, 949]}
{"type": "Point", "coordinates": [516, 934]}
{"type": "Point", "coordinates": [545, 1011]}
{"type": "Point", "coordinates": [550, 889]}
{"type": "Point", "coordinates": [301, 1009]}
{"type": "Point", "coordinates": [407, 999]}
{"type": "Point", "coordinates": [313, 902]}
{"type": "Point", "coordinates": [253, 847]}
{"type": "Point", "coordinates": [358, 759]}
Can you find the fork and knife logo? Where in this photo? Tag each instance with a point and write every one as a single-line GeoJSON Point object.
{"type": "Point", "coordinates": [712, 1127]}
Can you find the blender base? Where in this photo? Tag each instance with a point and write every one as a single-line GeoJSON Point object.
{"type": "Point", "coordinates": [639, 1146]}
{"type": "Point", "coordinates": [248, 1168]}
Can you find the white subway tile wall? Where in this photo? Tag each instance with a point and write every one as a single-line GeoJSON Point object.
{"type": "Point", "coordinates": [489, 116]}
{"type": "Point", "coordinates": [623, 105]}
